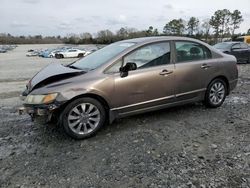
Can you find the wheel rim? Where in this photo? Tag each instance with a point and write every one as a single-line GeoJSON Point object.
{"type": "Point", "coordinates": [84, 118]}
{"type": "Point", "coordinates": [217, 93]}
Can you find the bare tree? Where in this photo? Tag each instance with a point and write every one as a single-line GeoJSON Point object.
{"type": "Point", "coordinates": [206, 28]}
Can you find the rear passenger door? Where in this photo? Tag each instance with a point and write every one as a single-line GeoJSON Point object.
{"type": "Point", "coordinates": [193, 69]}
{"type": "Point", "coordinates": [237, 52]}
{"type": "Point", "coordinates": [245, 52]}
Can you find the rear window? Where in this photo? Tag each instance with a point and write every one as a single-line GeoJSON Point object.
{"type": "Point", "coordinates": [244, 46]}
{"type": "Point", "coordinates": [191, 51]}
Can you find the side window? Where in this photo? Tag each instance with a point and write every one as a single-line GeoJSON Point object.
{"type": "Point", "coordinates": [236, 46]}
{"type": "Point", "coordinates": [115, 67]}
{"type": "Point", "coordinates": [191, 51]}
{"type": "Point", "coordinates": [150, 55]}
{"type": "Point", "coordinates": [244, 46]}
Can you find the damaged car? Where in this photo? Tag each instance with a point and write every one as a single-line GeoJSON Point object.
{"type": "Point", "coordinates": [127, 78]}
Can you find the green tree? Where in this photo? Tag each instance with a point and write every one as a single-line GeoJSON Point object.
{"type": "Point", "coordinates": [220, 22]}
{"type": "Point", "coordinates": [193, 25]}
{"type": "Point", "coordinates": [122, 33]}
{"type": "Point", "coordinates": [236, 20]}
{"type": "Point", "coordinates": [150, 31]}
{"type": "Point", "coordinates": [155, 32]}
{"type": "Point", "coordinates": [248, 31]}
{"type": "Point", "coordinates": [174, 27]}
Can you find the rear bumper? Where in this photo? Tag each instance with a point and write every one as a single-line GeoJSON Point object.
{"type": "Point", "coordinates": [233, 84]}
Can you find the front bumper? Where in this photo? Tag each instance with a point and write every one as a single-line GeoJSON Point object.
{"type": "Point", "coordinates": [41, 112]}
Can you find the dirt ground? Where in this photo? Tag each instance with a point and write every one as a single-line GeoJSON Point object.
{"type": "Point", "coordinates": [187, 146]}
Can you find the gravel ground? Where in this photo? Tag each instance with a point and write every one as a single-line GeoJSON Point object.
{"type": "Point", "coordinates": [188, 146]}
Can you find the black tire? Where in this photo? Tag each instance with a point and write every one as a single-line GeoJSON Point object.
{"type": "Point", "coordinates": [80, 55]}
{"type": "Point", "coordinates": [209, 93]}
{"type": "Point", "coordinates": [64, 119]}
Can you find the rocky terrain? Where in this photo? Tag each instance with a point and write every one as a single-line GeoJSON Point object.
{"type": "Point", "coordinates": [188, 146]}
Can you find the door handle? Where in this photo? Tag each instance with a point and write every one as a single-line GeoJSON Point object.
{"type": "Point", "coordinates": [166, 72]}
{"type": "Point", "coordinates": [205, 66]}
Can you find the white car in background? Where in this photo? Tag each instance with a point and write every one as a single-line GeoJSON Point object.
{"type": "Point", "coordinates": [89, 52]}
{"type": "Point", "coordinates": [31, 53]}
{"type": "Point", "coordinates": [70, 53]}
{"type": "Point", "coordinates": [54, 52]}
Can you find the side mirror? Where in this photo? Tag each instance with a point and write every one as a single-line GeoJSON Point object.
{"type": "Point", "coordinates": [128, 67]}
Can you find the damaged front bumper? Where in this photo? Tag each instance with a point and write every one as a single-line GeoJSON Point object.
{"type": "Point", "coordinates": [42, 112]}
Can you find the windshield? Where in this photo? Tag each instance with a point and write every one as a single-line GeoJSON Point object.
{"type": "Point", "coordinates": [101, 56]}
{"type": "Point", "coordinates": [222, 45]}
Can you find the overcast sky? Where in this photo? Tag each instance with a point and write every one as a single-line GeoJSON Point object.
{"type": "Point", "coordinates": [61, 17]}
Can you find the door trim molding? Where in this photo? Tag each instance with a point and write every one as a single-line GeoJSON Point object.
{"type": "Point", "coordinates": [159, 99]}
{"type": "Point", "coordinates": [145, 102]}
{"type": "Point", "coordinates": [191, 92]}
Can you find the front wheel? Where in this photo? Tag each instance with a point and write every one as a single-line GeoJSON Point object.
{"type": "Point", "coordinates": [83, 117]}
{"type": "Point", "coordinates": [216, 93]}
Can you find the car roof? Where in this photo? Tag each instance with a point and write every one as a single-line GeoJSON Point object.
{"type": "Point", "coordinates": [231, 42]}
{"type": "Point", "coordinates": [152, 39]}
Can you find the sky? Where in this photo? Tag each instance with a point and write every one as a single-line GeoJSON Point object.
{"type": "Point", "coordinates": [62, 17]}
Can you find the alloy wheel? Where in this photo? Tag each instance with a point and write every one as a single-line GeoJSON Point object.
{"type": "Point", "coordinates": [217, 93]}
{"type": "Point", "coordinates": [84, 118]}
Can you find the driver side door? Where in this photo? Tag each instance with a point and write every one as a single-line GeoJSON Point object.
{"type": "Point", "coordinates": [151, 84]}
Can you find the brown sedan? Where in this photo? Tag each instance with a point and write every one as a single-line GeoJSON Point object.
{"type": "Point", "coordinates": [127, 78]}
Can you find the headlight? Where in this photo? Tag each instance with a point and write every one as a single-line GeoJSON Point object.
{"type": "Point", "coordinates": [40, 99]}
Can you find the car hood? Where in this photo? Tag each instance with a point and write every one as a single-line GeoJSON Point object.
{"type": "Point", "coordinates": [52, 73]}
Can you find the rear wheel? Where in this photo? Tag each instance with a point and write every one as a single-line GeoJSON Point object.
{"type": "Point", "coordinates": [80, 55]}
{"type": "Point", "coordinates": [83, 117]}
{"type": "Point", "coordinates": [216, 93]}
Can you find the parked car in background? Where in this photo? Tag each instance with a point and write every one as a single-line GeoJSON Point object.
{"type": "Point", "coordinates": [31, 53]}
{"type": "Point", "coordinates": [238, 49]}
{"type": "Point", "coordinates": [70, 53]}
{"type": "Point", "coordinates": [54, 52]}
{"type": "Point", "coordinates": [46, 53]}
{"type": "Point", "coordinates": [119, 80]}
{"type": "Point", "coordinates": [6, 48]}
{"type": "Point", "coordinates": [245, 39]}
{"type": "Point", "coordinates": [87, 52]}
{"type": "Point", "coordinates": [2, 50]}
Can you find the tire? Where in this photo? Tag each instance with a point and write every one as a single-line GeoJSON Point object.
{"type": "Point", "coordinates": [216, 93]}
{"type": "Point", "coordinates": [80, 55]}
{"type": "Point", "coordinates": [80, 125]}
{"type": "Point", "coordinates": [57, 56]}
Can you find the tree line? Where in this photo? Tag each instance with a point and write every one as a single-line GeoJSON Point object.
{"type": "Point", "coordinates": [221, 25]}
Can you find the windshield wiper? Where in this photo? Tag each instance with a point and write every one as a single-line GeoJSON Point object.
{"type": "Point", "coordinates": [74, 67]}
